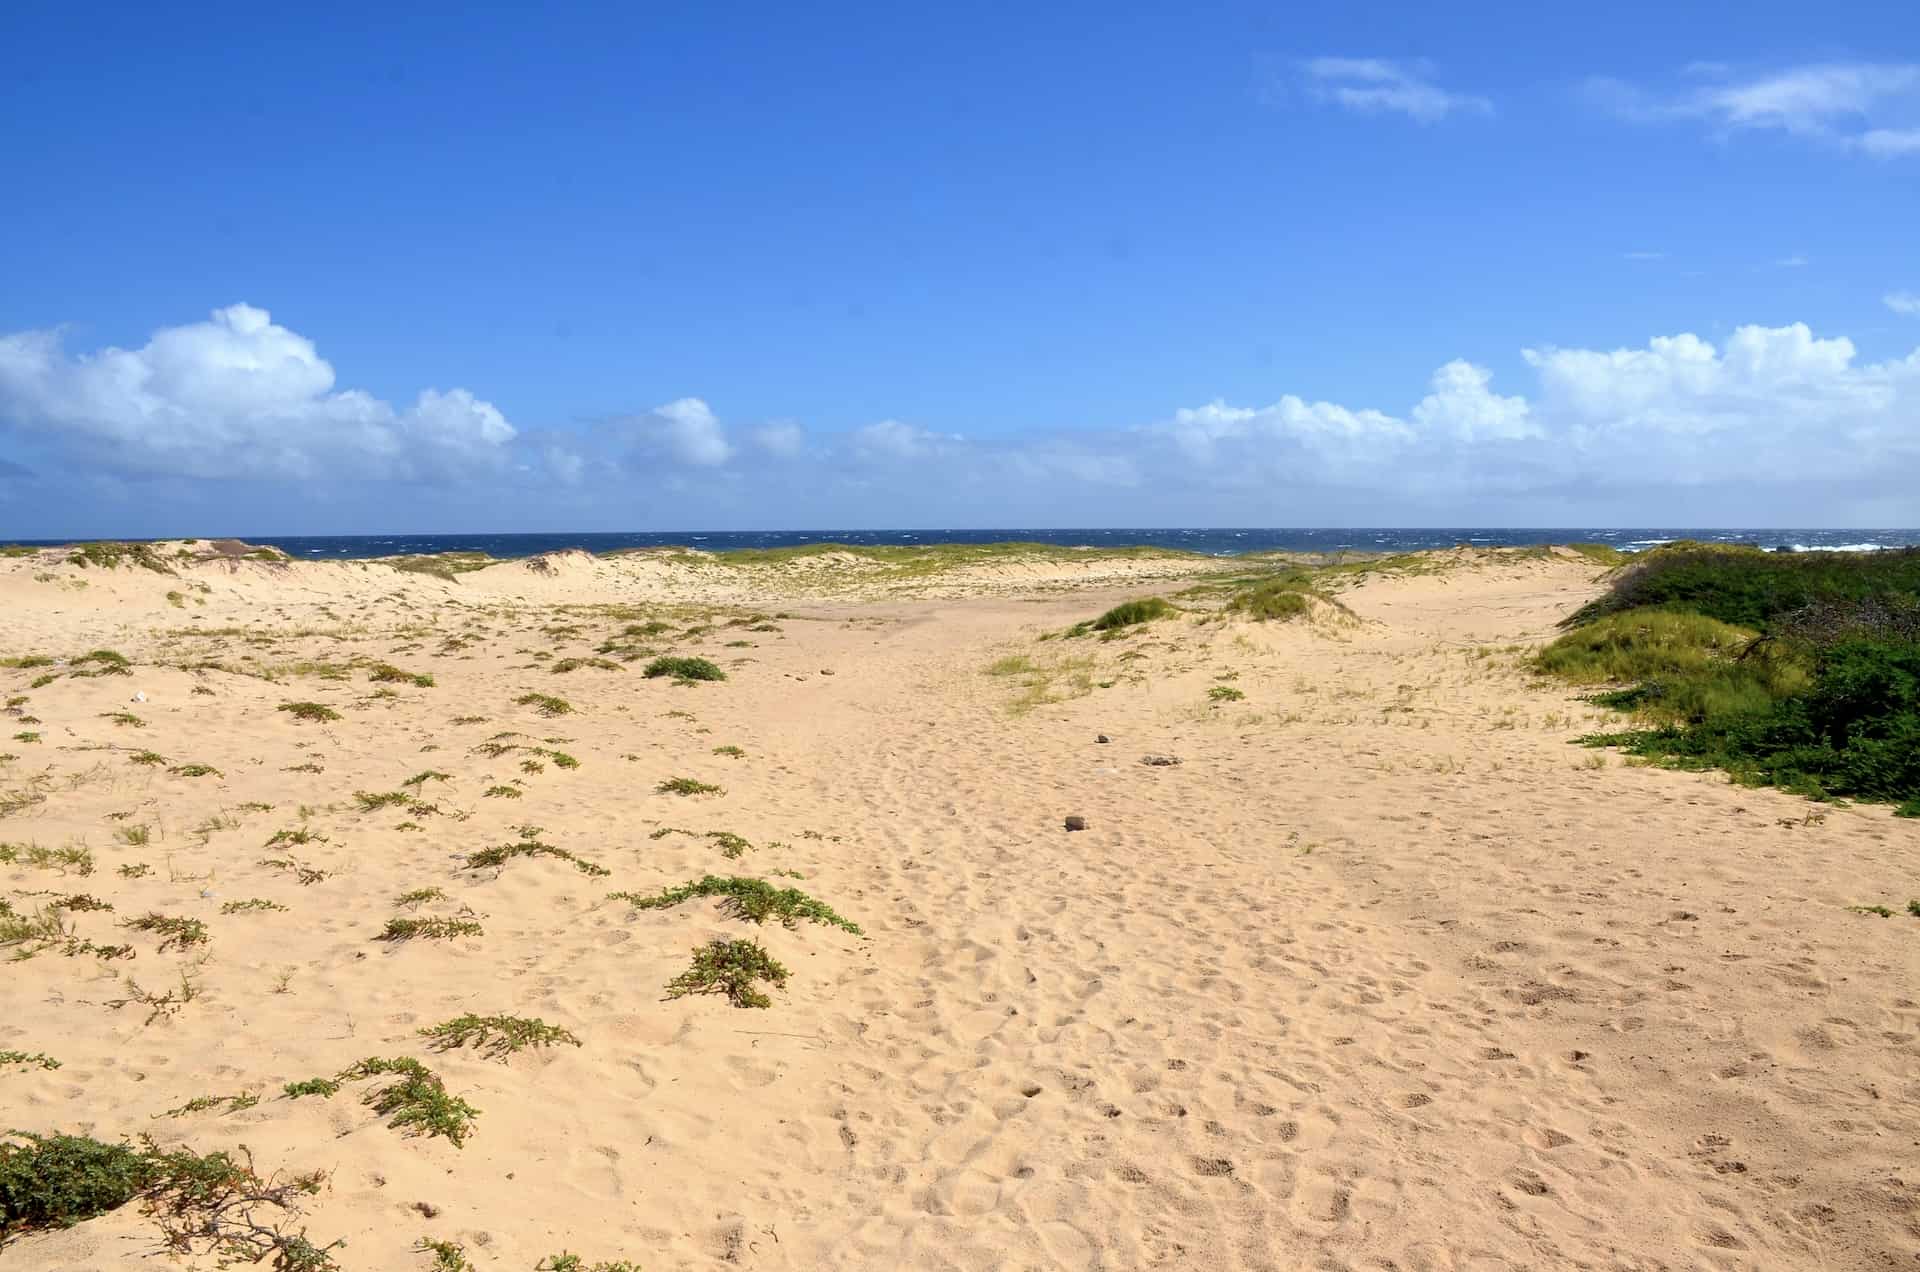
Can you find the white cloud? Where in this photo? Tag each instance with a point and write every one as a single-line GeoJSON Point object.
{"type": "Point", "coordinates": [1870, 107]}
{"type": "Point", "coordinates": [890, 439]}
{"type": "Point", "coordinates": [782, 438]}
{"type": "Point", "coordinates": [1461, 406]}
{"type": "Point", "coordinates": [235, 396]}
{"type": "Point", "coordinates": [685, 430]}
{"type": "Point", "coordinates": [1369, 85]}
{"type": "Point", "coordinates": [1903, 302]}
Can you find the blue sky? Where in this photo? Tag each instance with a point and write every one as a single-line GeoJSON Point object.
{"type": "Point", "coordinates": [761, 267]}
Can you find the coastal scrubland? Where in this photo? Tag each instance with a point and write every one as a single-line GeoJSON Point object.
{"type": "Point", "coordinates": [982, 905]}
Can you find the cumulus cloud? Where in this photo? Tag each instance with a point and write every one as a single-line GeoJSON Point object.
{"type": "Point", "coordinates": [1462, 406]}
{"type": "Point", "coordinates": [1872, 108]}
{"type": "Point", "coordinates": [685, 430]}
{"type": "Point", "coordinates": [1371, 86]}
{"type": "Point", "coordinates": [237, 395]}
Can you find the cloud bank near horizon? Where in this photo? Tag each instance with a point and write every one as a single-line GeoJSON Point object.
{"type": "Point", "coordinates": [208, 410]}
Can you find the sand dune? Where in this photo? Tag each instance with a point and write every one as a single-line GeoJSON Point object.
{"type": "Point", "coordinates": [1383, 974]}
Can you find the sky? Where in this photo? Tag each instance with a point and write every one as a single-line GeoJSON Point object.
{"type": "Point", "coordinates": [274, 270]}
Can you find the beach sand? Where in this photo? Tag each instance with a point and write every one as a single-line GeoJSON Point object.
{"type": "Point", "coordinates": [1383, 974]}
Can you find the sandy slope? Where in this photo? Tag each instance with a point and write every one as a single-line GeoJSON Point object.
{"type": "Point", "coordinates": [1383, 975]}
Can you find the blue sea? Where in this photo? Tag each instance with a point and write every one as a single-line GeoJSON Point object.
{"type": "Point", "coordinates": [1212, 542]}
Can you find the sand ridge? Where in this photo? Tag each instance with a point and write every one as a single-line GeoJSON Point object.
{"type": "Point", "coordinates": [1383, 974]}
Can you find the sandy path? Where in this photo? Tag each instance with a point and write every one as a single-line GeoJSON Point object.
{"type": "Point", "coordinates": [1381, 975]}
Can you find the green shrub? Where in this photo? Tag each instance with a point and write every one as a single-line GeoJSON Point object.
{"type": "Point", "coordinates": [1750, 588]}
{"type": "Point", "coordinates": [432, 929]}
{"type": "Point", "coordinates": [730, 968]}
{"type": "Point", "coordinates": [55, 1181]}
{"type": "Point", "coordinates": [545, 704]}
{"type": "Point", "coordinates": [312, 711]}
{"type": "Point", "coordinates": [684, 670]}
{"type": "Point", "coordinates": [417, 1102]}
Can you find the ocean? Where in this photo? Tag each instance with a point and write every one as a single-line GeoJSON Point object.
{"type": "Point", "coordinates": [1212, 542]}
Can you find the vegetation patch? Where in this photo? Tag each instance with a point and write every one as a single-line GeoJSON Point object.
{"type": "Point", "coordinates": [100, 662]}
{"type": "Point", "coordinates": [497, 1037]}
{"type": "Point", "coordinates": [1796, 670]}
{"type": "Point", "coordinates": [314, 712]}
{"type": "Point", "coordinates": [387, 673]}
{"type": "Point", "coordinates": [214, 1204]}
{"type": "Point", "coordinates": [684, 670]}
{"type": "Point", "coordinates": [687, 786]}
{"type": "Point", "coordinates": [428, 929]}
{"type": "Point", "coordinates": [417, 1102]}
{"type": "Point", "coordinates": [174, 932]}
{"type": "Point", "coordinates": [495, 858]}
{"type": "Point", "coordinates": [755, 900]}
{"type": "Point", "coordinates": [545, 704]}
{"type": "Point", "coordinates": [730, 968]}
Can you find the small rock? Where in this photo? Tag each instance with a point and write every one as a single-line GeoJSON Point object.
{"type": "Point", "coordinates": [1076, 823]}
{"type": "Point", "coordinates": [826, 671]}
{"type": "Point", "coordinates": [1160, 761]}
{"type": "Point", "coordinates": [1101, 737]}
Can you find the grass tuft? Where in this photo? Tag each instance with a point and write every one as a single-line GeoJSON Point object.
{"type": "Point", "coordinates": [314, 712]}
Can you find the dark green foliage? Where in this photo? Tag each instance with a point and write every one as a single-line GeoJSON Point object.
{"type": "Point", "coordinates": [1823, 698]}
{"type": "Point", "coordinates": [746, 898]}
{"type": "Point", "coordinates": [497, 1036]}
{"type": "Point", "coordinates": [39, 1058]}
{"type": "Point", "coordinates": [55, 1181]}
{"type": "Point", "coordinates": [502, 792]}
{"type": "Point", "coordinates": [312, 711]}
{"type": "Point", "coordinates": [195, 770]}
{"type": "Point", "coordinates": [110, 556]}
{"type": "Point", "coordinates": [326, 1088]}
{"type": "Point", "coordinates": [371, 801]}
{"type": "Point", "coordinates": [419, 897]}
{"type": "Point", "coordinates": [546, 704]}
{"type": "Point", "coordinates": [684, 670]}
{"type": "Point", "coordinates": [1854, 732]}
{"type": "Point", "coordinates": [417, 1101]}
{"type": "Point", "coordinates": [497, 857]}
{"type": "Point", "coordinates": [1750, 588]}
{"type": "Point", "coordinates": [730, 968]}
{"type": "Point", "coordinates": [147, 757]}
{"type": "Point", "coordinates": [79, 902]}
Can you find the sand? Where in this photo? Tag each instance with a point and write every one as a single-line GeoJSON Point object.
{"type": "Point", "coordinates": [1383, 974]}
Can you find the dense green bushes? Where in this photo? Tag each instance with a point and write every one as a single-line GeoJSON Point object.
{"type": "Point", "coordinates": [1751, 588]}
{"type": "Point", "coordinates": [1821, 696]}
